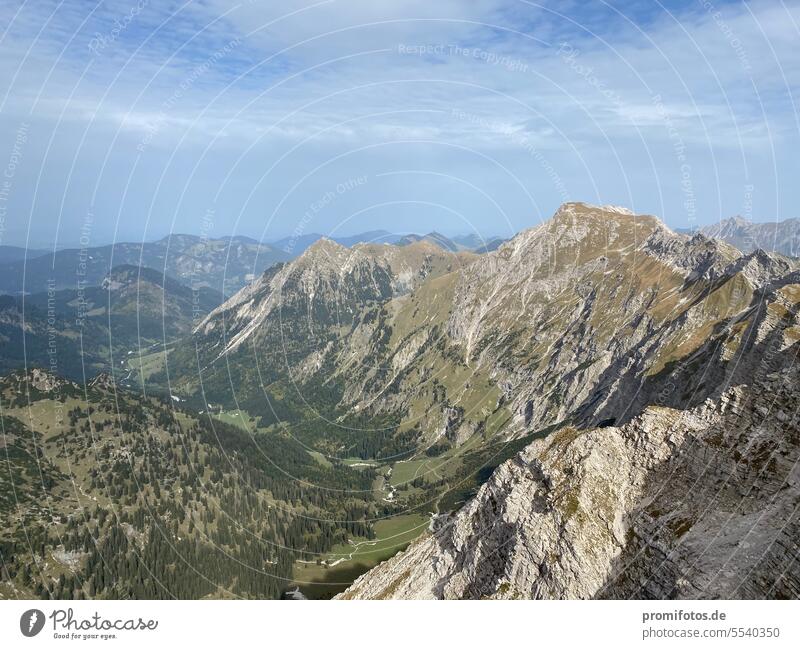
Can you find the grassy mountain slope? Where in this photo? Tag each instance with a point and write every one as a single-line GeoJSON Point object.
{"type": "Point", "coordinates": [108, 494]}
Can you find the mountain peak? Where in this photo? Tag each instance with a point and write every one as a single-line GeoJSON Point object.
{"type": "Point", "coordinates": [324, 246]}
{"type": "Point", "coordinates": [580, 209]}
{"type": "Point", "coordinates": [327, 256]}
{"type": "Point", "coordinates": [760, 267]}
{"type": "Point", "coordinates": [727, 227]}
{"type": "Point", "coordinates": [593, 227]}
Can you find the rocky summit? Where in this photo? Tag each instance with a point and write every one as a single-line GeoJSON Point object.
{"type": "Point", "coordinates": [587, 318]}
{"type": "Point", "coordinates": [662, 369]}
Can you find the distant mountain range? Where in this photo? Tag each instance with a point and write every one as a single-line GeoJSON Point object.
{"type": "Point", "coordinates": [297, 245]}
{"type": "Point", "coordinates": [467, 242]}
{"type": "Point", "coordinates": [224, 264]}
{"type": "Point", "coordinates": [78, 333]}
{"type": "Point", "coordinates": [473, 242]}
{"type": "Point", "coordinates": [10, 254]}
{"type": "Point", "coordinates": [782, 237]}
{"type": "Point", "coordinates": [476, 243]}
{"type": "Point", "coordinates": [227, 264]}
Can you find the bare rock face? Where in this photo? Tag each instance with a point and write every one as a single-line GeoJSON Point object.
{"type": "Point", "coordinates": [588, 317]}
{"type": "Point", "coordinates": [44, 381]}
{"type": "Point", "coordinates": [674, 504]}
{"type": "Point", "coordinates": [328, 283]}
{"type": "Point", "coordinates": [696, 257]}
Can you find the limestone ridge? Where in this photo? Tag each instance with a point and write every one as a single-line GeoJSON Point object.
{"type": "Point", "coordinates": [592, 302]}
{"type": "Point", "coordinates": [699, 503]}
{"type": "Point", "coordinates": [588, 318]}
{"type": "Point", "coordinates": [330, 277]}
{"type": "Point", "coordinates": [224, 265]}
{"type": "Point", "coordinates": [674, 359]}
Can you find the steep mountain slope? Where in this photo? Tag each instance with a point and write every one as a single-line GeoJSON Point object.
{"type": "Point", "coordinates": [550, 325]}
{"type": "Point", "coordinates": [700, 503]}
{"type": "Point", "coordinates": [782, 236]}
{"type": "Point", "coordinates": [584, 319]}
{"type": "Point", "coordinates": [591, 316]}
{"type": "Point", "coordinates": [225, 264]}
{"type": "Point", "coordinates": [330, 283]}
{"type": "Point", "coordinates": [289, 346]}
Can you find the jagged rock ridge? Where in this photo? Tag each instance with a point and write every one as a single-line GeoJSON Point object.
{"type": "Point", "coordinates": [675, 504]}
{"type": "Point", "coordinates": [694, 492]}
{"type": "Point", "coordinates": [583, 319]}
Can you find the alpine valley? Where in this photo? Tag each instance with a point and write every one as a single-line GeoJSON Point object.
{"type": "Point", "coordinates": [598, 407]}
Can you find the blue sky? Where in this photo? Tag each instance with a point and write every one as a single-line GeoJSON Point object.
{"type": "Point", "coordinates": [130, 119]}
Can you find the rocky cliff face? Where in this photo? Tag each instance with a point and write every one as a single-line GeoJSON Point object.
{"type": "Point", "coordinates": [599, 312]}
{"type": "Point", "coordinates": [328, 285]}
{"type": "Point", "coordinates": [689, 489]}
{"type": "Point", "coordinates": [700, 503]}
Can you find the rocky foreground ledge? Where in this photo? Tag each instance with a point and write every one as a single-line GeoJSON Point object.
{"type": "Point", "coordinates": [701, 503]}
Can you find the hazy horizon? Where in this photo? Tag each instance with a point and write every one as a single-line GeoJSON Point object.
{"type": "Point", "coordinates": [486, 236]}
{"type": "Point", "coordinates": [133, 120]}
